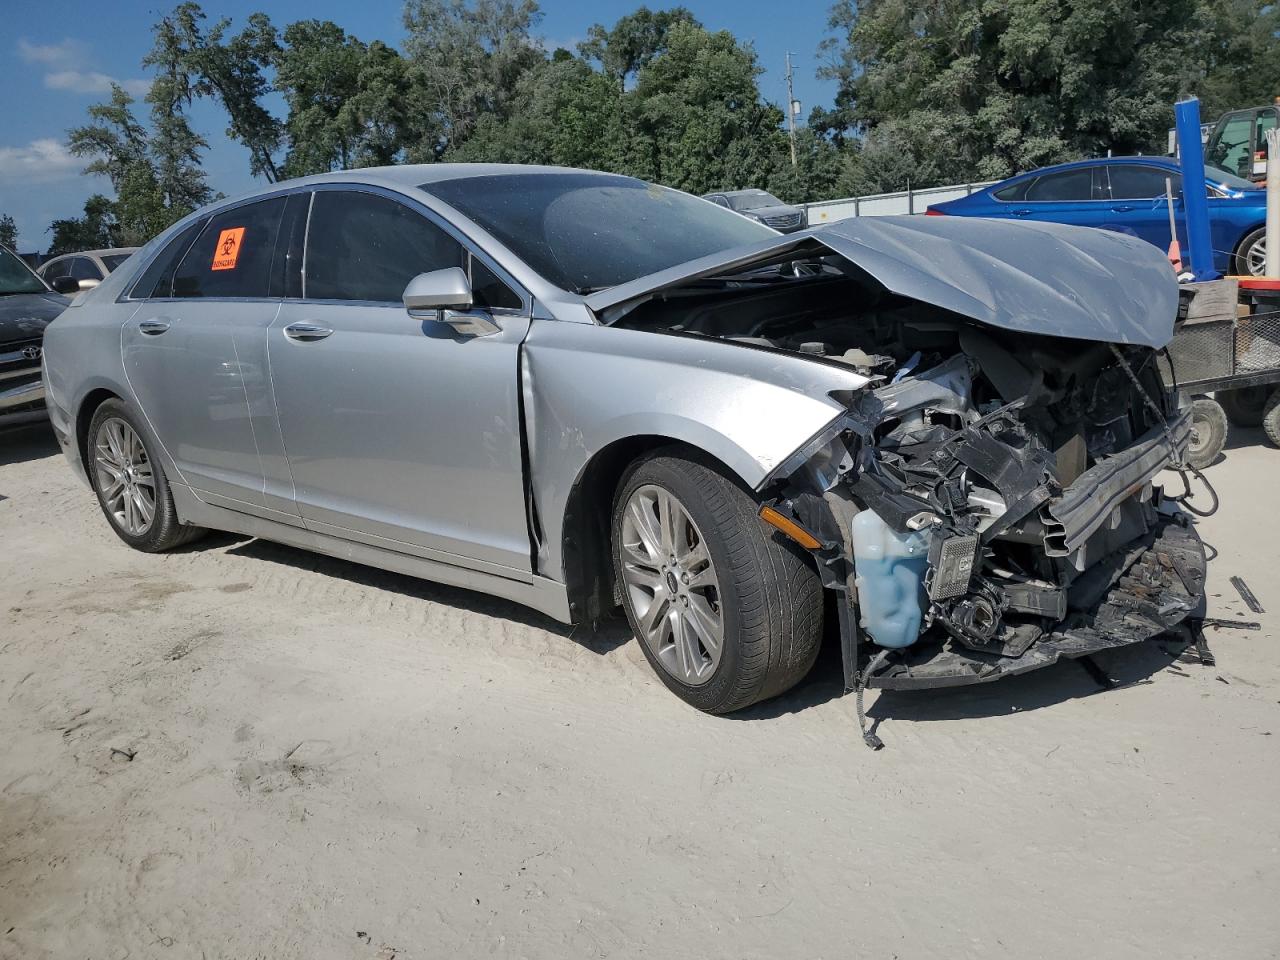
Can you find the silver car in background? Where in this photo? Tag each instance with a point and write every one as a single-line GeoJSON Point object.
{"type": "Point", "coordinates": [87, 268]}
{"type": "Point", "coordinates": [580, 391]}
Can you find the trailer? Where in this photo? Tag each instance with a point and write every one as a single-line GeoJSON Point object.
{"type": "Point", "coordinates": [1227, 343]}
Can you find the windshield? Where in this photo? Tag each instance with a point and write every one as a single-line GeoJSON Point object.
{"type": "Point", "coordinates": [585, 231]}
{"type": "Point", "coordinates": [113, 260]}
{"type": "Point", "coordinates": [751, 199]}
{"type": "Point", "coordinates": [1228, 180]}
{"type": "Point", "coordinates": [15, 277]}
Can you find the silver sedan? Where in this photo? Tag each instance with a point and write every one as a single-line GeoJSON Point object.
{"type": "Point", "coordinates": [581, 392]}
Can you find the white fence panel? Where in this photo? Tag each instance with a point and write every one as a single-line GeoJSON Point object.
{"type": "Point", "coordinates": [888, 204]}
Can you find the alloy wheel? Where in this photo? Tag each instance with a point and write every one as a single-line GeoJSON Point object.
{"type": "Point", "coordinates": [1256, 257]}
{"type": "Point", "coordinates": [672, 585]}
{"type": "Point", "coordinates": [125, 479]}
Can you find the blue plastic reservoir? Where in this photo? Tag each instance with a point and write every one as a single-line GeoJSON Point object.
{"type": "Point", "coordinates": [889, 569]}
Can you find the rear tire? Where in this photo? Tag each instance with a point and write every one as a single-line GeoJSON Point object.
{"type": "Point", "coordinates": [1208, 432]}
{"type": "Point", "coordinates": [1271, 419]}
{"type": "Point", "coordinates": [767, 597]}
{"type": "Point", "coordinates": [130, 483]}
{"type": "Point", "coordinates": [1244, 406]}
{"type": "Point", "coordinates": [1251, 256]}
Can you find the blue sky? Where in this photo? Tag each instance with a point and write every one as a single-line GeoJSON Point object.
{"type": "Point", "coordinates": [58, 58]}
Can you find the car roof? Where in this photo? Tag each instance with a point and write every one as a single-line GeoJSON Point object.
{"type": "Point", "coordinates": [93, 253]}
{"type": "Point", "coordinates": [1153, 160]}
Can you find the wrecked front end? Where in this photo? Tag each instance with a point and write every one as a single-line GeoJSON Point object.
{"type": "Point", "coordinates": [990, 501]}
{"type": "Point", "coordinates": [1001, 509]}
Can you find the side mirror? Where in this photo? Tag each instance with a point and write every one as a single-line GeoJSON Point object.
{"type": "Point", "coordinates": [438, 290]}
{"type": "Point", "coordinates": [445, 296]}
{"type": "Point", "coordinates": [87, 284]}
{"type": "Point", "coordinates": [65, 285]}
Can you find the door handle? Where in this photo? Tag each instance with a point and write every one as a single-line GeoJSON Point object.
{"type": "Point", "coordinates": [153, 328]}
{"type": "Point", "coordinates": [1122, 208]}
{"type": "Point", "coordinates": [305, 332]}
{"type": "Point", "coordinates": [1021, 212]}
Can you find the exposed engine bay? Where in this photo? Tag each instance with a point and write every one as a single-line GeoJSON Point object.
{"type": "Point", "coordinates": [990, 496]}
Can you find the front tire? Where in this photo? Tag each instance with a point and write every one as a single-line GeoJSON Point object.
{"type": "Point", "coordinates": [727, 612]}
{"type": "Point", "coordinates": [130, 483]}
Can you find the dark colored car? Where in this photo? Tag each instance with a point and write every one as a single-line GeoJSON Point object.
{"type": "Point", "coordinates": [27, 304]}
{"type": "Point", "coordinates": [1127, 194]}
{"type": "Point", "coordinates": [763, 207]}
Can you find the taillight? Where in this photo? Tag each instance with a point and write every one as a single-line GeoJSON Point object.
{"type": "Point", "coordinates": [934, 212]}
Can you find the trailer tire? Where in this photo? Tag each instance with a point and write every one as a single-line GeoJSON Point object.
{"type": "Point", "coordinates": [1271, 419]}
{"type": "Point", "coordinates": [1244, 406]}
{"type": "Point", "coordinates": [1208, 432]}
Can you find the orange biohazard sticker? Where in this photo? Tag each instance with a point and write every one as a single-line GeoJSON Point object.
{"type": "Point", "coordinates": [227, 252]}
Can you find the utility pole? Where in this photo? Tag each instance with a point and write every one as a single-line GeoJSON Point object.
{"type": "Point", "coordinates": [793, 107]}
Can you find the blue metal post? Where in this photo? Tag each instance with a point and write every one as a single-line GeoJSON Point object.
{"type": "Point", "coordinates": [1195, 204]}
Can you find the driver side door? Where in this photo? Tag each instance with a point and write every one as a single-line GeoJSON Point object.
{"type": "Point", "coordinates": [400, 432]}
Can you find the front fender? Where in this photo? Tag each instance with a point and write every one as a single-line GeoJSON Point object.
{"type": "Point", "coordinates": [589, 387]}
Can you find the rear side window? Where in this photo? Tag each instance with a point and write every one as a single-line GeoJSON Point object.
{"type": "Point", "coordinates": [1133, 182]}
{"type": "Point", "coordinates": [1014, 192]}
{"type": "Point", "coordinates": [157, 279]}
{"type": "Point", "coordinates": [232, 257]}
{"type": "Point", "coordinates": [1066, 186]}
{"type": "Point", "coordinates": [365, 247]}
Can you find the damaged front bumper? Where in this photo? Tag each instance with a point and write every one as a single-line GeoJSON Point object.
{"type": "Point", "coordinates": [1149, 587]}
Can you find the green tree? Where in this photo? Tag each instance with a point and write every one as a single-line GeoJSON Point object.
{"type": "Point", "coordinates": [8, 232]}
{"type": "Point", "coordinates": [348, 102]}
{"type": "Point", "coordinates": [95, 230]}
{"type": "Point", "coordinates": [156, 177]}
{"type": "Point", "coordinates": [633, 42]}
{"type": "Point", "coordinates": [468, 59]}
{"type": "Point", "coordinates": [230, 69]}
{"type": "Point", "coordinates": [174, 147]}
{"type": "Point", "coordinates": [974, 89]}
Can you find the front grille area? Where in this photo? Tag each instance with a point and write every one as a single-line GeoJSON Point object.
{"type": "Point", "coordinates": [15, 365]}
{"type": "Point", "coordinates": [783, 220]}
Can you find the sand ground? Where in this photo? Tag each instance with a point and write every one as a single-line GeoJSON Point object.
{"type": "Point", "coordinates": [242, 750]}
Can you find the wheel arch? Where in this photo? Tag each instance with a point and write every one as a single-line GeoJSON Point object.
{"type": "Point", "coordinates": [585, 538]}
{"type": "Point", "coordinates": [84, 416]}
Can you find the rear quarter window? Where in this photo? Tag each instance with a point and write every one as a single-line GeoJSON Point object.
{"type": "Point", "coordinates": [232, 256]}
{"type": "Point", "coordinates": [1013, 192]}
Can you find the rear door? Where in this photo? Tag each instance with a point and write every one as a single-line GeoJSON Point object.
{"type": "Point", "coordinates": [1065, 196]}
{"type": "Point", "coordinates": [195, 351]}
{"type": "Point", "coordinates": [401, 432]}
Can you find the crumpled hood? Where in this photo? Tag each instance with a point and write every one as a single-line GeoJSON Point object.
{"type": "Point", "coordinates": [24, 316]}
{"type": "Point", "coordinates": [1043, 278]}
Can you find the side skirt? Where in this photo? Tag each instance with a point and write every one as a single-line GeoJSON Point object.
{"type": "Point", "coordinates": [543, 595]}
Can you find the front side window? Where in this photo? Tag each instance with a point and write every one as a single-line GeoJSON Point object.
{"type": "Point", "coordinates": [1232, 148]}
{"type": "Point", "coordinates": [82, 268]}
{"type": "Point", "coordinates": [16, 277]}
{"type": "Point", "coordinates": [361, 246]}
{"type": "Point", "coordinates": [1133, 182]}
{"type": "Point", "coordinates": [62, 268]}
{"type": "Point", "coordinates": [1070, 185]}
{"type": "Point", "coordinates": [232, 257]}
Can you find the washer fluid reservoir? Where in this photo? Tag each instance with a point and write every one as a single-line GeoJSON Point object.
{"type": "Point", "coordinates": [889, 569]}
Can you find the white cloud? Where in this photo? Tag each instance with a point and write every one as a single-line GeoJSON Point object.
{"type": "Point", "coordinates": [42, 159]}
{"type": "Point", "coordinates": [61, 61]}
{"type": "Point", "coordinates": [79, 81]}
{"type": "Point", "coordinates": [67, 53]}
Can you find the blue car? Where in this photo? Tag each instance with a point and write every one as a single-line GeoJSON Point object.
{"type": "Point", "coordinates": [1127, 194]}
